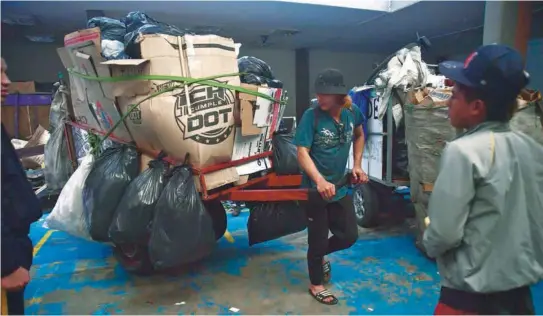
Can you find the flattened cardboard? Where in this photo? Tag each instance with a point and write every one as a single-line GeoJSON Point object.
{"type": "Point", "coordinates": [93, 101]}
{"type": "Point", "coordinates": [247, 146]}
{"type": "Point", "coordinates": [257, 112]}
{"type": "Point", "coordinates": [247, 104]}
{"type": "Point", "coordinates": [217, 179]}
{"type": "Point", "coordinates": [125, 68]}
{"type": "Point", "coordinates": [247, 114]}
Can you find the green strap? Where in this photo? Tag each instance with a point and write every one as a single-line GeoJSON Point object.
{"type": "Point", "coordinates": [208, 81]}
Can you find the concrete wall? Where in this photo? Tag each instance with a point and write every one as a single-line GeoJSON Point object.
{"type": "Point", "coordinates": [29, 61]}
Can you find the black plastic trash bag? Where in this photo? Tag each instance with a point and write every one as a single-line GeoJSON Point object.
{"type": "Point", "coordinates": [58, 166]}
{"type": "Point", "coordinates": [273, 220]}
{"type": "Point", "coordinates": [132, 219]}
{"type": "Point", "coordinates": [182, 229]}
{"type": "Point", "coordinates": [399, 152]}
{"type": "Point", "coordinates": [257, 72]}
{"type": "Point", "coordinates": [138, 23]}
{"type": "Point", "coordinates": [104, 187]}
{"type": "Point", "coordinates": [285, 155]}
{"type": "Point", "coordinates": [110, 29]}
{"type": "Point", "coordinates": [59, 107]}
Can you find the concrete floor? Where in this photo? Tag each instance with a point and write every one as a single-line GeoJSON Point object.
{"type": "Point", "coordinates": [382, 273]}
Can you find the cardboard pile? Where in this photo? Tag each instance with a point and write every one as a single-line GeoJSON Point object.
{"type": "Point", "coordinates": [259, 119]}
{"type": "Point", "coordinates": [40, 137]}
{"type": "Point", "coordinates": [427, 130]}
{"type": "Point", "coordinates": [197, 120]}
{"type": "Point", "coordinates": [29, 117]}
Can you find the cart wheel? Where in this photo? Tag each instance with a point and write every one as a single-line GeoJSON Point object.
{"type": "Point", "coordinates": [218, 214]}
{"type": "Point", "coordinates": [420, 227]}
{"type": "Point", "coordinates": [366, 205]}
{"type": "Point", "coordinates": [134, 259]}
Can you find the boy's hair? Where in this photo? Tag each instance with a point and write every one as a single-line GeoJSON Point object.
{"type": "Point", "coordinates": [498, 108]}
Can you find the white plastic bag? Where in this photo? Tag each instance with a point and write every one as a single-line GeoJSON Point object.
{"type": "Point", "coordinates": [68, 215]}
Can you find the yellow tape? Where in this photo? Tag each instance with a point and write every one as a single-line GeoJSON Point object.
{"type": "Point", "coordinates": [228, 237]}
{"type": "Point", "coordinates": [42, 242]}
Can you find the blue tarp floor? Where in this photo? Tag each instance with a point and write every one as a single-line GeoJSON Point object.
{"type": "Point", "coordinates": [383, 273]}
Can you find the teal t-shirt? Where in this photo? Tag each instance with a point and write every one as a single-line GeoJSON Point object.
{"type": "Point", "coordinates": [329, 143]}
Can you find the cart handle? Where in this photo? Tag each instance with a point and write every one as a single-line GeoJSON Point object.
{"type": "Point", "coordinates": [312, 193]}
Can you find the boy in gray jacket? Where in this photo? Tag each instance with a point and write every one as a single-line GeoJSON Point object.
{"type": "Point", "coordinates": [486, 209]}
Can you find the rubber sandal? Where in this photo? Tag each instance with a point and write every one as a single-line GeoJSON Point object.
{"type": "Point", "coordinates": [323, 295]}
{"type": "Point", "coordinates": [327, 271]}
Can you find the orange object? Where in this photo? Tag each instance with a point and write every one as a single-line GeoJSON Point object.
{"type": "Point", "coordinates": [4, 303]}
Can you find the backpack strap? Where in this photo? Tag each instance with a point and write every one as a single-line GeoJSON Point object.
{"type": "Point", "coordinates": [316, 115]}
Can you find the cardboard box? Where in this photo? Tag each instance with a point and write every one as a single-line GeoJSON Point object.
{"type": "Point", "coordinates": [429, 97]}
{"type": "Point", "coordinates": [93, 101]}
{"type": "Point", "coordinates": [22, 87]}
{"type": "Point", "coordinates": [257, 112]}
{"type": "Point", "coordinates": [40, 137]}
{"type": "Point", "coordinates": [197, 120]}
{"type": "Point", "coordinates": [30, 117]}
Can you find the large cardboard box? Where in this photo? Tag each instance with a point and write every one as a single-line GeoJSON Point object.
{"type": "Point", "coordinates": [197, 120]}
{"type": "Point", "coordinates": [22, 87]}
{"type": "Point", "coordinates": [93, 102]}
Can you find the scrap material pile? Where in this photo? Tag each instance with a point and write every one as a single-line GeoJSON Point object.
{"type": "Point", "coordinates": [428, 129]}
{"type": "Point", "coordinates": [136, 80]}
{"type": "Point", "coordinates": [419, 100]}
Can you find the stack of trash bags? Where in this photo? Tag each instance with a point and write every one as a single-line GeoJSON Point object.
{"type": "Point", "coordinates": [108, 200]}
{"type": "Point", "coordinates": [256, 71]}
{"type": "Point", "coordinates": [119, 38]}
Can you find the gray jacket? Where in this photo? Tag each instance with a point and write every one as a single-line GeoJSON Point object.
{"type": "Point", "coordinates": [486, 211]}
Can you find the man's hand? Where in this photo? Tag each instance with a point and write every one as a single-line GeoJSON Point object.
{"type": "Point", "coordinates": [326, 189]}
{"type": "Point", "coordinates": [16, 280]}
{"type": "Point", "coordinates": [359, 176]}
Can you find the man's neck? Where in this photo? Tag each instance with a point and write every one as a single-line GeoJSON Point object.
{"type": "Point", "coordinates": [335, 112]}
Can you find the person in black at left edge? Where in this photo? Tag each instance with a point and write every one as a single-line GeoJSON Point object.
{"type": "Point", "coordinates": [20, 208]}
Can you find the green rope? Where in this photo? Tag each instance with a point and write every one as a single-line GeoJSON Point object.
{"type": "Point", "coordinates": [208, 81]}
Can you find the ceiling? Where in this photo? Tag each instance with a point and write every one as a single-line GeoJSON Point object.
{"type": "Point", "coordinates": [286, 24]}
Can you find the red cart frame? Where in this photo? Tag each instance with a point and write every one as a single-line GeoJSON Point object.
{"type": "Point", "coordinates": [269, 188]}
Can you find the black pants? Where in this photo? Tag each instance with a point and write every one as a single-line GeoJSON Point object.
{"type": "Point", "coordinates": [338, 217]}
{"type": "Point", "coordinates": [512, 302]}
{"type": "Point", "coordinates": [16, 302]}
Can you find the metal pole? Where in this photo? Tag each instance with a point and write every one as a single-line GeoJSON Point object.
{"type": "Point", "coordinates": [390, 131]}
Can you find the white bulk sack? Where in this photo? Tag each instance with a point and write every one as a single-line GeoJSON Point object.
{"type": "Point", "coordinates": [68, 214]}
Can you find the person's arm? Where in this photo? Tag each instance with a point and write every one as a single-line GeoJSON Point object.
{"type": "Point", "coordinates": [308, 166]}
{"type": "Point", "coordinates": [359, 142]}
{"type": "Point", "coordinates": [14, 250]}
{"type": "Point", "coordinates": [20, 207]}
{"type": "Point", "coordinates": [450, 201]}
{"type": "Point", "coordinates": [304, 140]}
